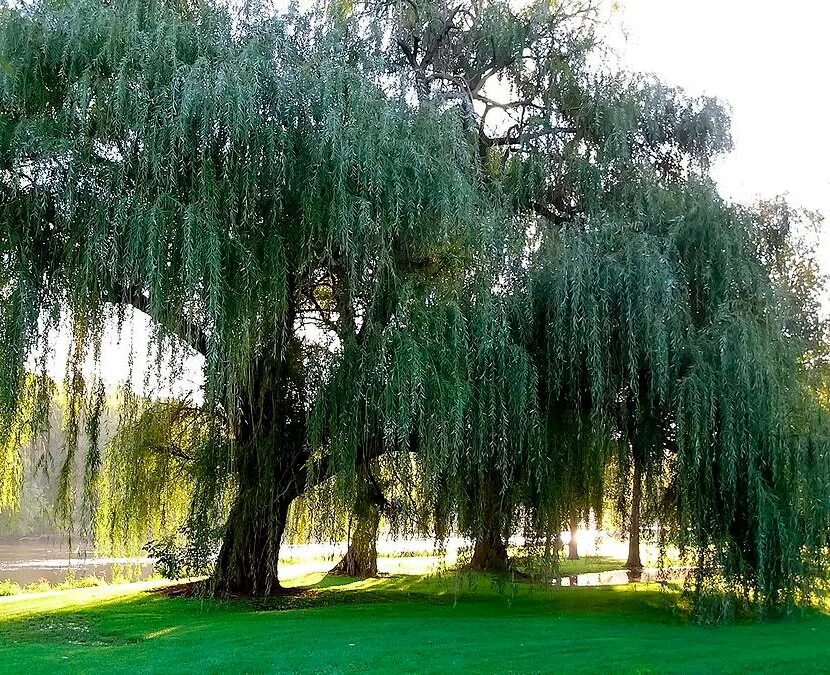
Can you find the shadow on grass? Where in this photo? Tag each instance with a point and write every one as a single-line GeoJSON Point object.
{"type": "Point", "coordinates": [124, 619]}
{"type": "Point", "coordinates": [642, 602]}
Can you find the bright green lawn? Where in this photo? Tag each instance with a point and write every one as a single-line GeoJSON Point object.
{"type": "Point", "coordinates": [405, 623]}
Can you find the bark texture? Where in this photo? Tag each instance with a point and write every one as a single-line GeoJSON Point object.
{"type": "Point", "coordinates": [361, 559]}
{"type": "Point", "coordinates": [270, 458]}
{"type": "Point", "coordinates": [490, 553]}
{"type": "Point", "coordinates": [248, 559]}
{"type": "Point", "coordinates": [634, 563]}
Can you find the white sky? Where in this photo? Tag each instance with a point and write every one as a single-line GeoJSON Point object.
{"type": "Point", "coordinates": [767, 59]}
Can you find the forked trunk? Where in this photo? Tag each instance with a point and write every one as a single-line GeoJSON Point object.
{"type": "Point", "coordinates": [634, 563]}
{"type": "Point", "coordinates": [573, 551]}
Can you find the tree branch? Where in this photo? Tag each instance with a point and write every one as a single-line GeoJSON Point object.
{"type": "Point", "coordinates": [186, 331]}
{"type": "Point", "coordinates": [511, 139]}
{"type": "Point", "coordinates": [546, 212]}
{"type": "Point", "coordinates": [325, 316]}
{"type": "Point", "coordinates": [173, 450]}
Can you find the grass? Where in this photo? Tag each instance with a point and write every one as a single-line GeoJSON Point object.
{"type": "Point", "coordinates": [400, 623]}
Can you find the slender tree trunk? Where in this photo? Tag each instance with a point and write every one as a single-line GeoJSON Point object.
{"type": "Point", "coordinates": [573, 551]}
{"type": "Point", "coordinates": [361, 559]}
{"type": "Point", "coordinates": [634, 563]}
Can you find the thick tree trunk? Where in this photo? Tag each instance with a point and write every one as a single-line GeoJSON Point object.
{"type": "Point", "coordinates": [490, 553]}
{"type": "Point", "coordinates": [634, 563]}
{"type": "Point", "coordinates": [361, 559]}
{"type": "Point", "coordinates": [573, 551]}
{"type": "Point", "coordinates": [270, 460]}
{"type": "Point", "coordinates": [248, 559]}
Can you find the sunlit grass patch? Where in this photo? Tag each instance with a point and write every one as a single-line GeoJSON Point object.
{"type": "Point", "coordinates": [423, 623]}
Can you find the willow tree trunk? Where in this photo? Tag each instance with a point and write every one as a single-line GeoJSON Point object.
{"type": "Point", "coordinates": [634, 563]}
{"type": "Point", "coordinates": [573, 551]}
{"type": "Point", "coordinates": [490, 553]}
{"type": "Point", "coordinates": [361, 559]}
{"type": "Point", "coordinates": [270, 457]}
{"type": "Point", "coordinates": [249, 557]}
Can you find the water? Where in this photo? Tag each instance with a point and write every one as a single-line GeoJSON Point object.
{"type": "Point", "coordinates": [621, 577]}
{"type": "Point", "coordinates": [29, 559]}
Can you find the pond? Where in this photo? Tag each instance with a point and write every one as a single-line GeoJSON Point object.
{"type": "Point", "coordinates": [27, 560]}
{"type": "Point", "coordinates": [622, 576]}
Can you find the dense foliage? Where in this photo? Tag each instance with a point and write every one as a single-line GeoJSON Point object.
{"type": "Point", "coordinates": [431, 232]}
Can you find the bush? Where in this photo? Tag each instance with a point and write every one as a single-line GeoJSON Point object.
{"type": "Point", "coordinates": [190, 552]}
{"type": "Point", "coordinates": [9, 588]}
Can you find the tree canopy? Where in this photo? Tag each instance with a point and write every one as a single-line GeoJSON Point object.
{"type": "Point", "coordinates": [434, 231]}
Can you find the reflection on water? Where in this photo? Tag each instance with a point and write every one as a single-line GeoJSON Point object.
{"type": "Point", "coordinates": [30, 559]}
{"type": "Point", "coordinates": [620, 577]}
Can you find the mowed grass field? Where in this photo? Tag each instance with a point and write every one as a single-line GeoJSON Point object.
{"type": "Point", "coordinates": [404, 623]}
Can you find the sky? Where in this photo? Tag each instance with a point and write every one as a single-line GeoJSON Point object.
{"type": "Point", "coordinates": [768, 61]}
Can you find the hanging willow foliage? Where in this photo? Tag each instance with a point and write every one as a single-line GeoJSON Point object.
{"type": "Point", "coordinates": [233, 177]}
{"type": "Point", "coordinates": [662, 309]}
{"type": "Point", "coordinates": [424, 230]}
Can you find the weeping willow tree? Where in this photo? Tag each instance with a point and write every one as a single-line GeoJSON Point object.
{"type": "Point", "coordinates": [302, 199]}
{"type": "Point", "coordinates": [642, 292]}
{"type": "Point", "coordinates": [427, 231]}
{"type": "Point", "coordinates": [235, 177]}
{"type": "Point", "coordinates": [662, 310]}
{"type": "Point", "coordinates": [638, 292]}
{"type": "Point", "coordinates": [561, 145]}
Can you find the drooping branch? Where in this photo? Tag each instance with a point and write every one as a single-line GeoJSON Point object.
{"type": "Point", "coordinates": [184, 329]}
{"type": "Point", "coordinates": [554, 217]}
